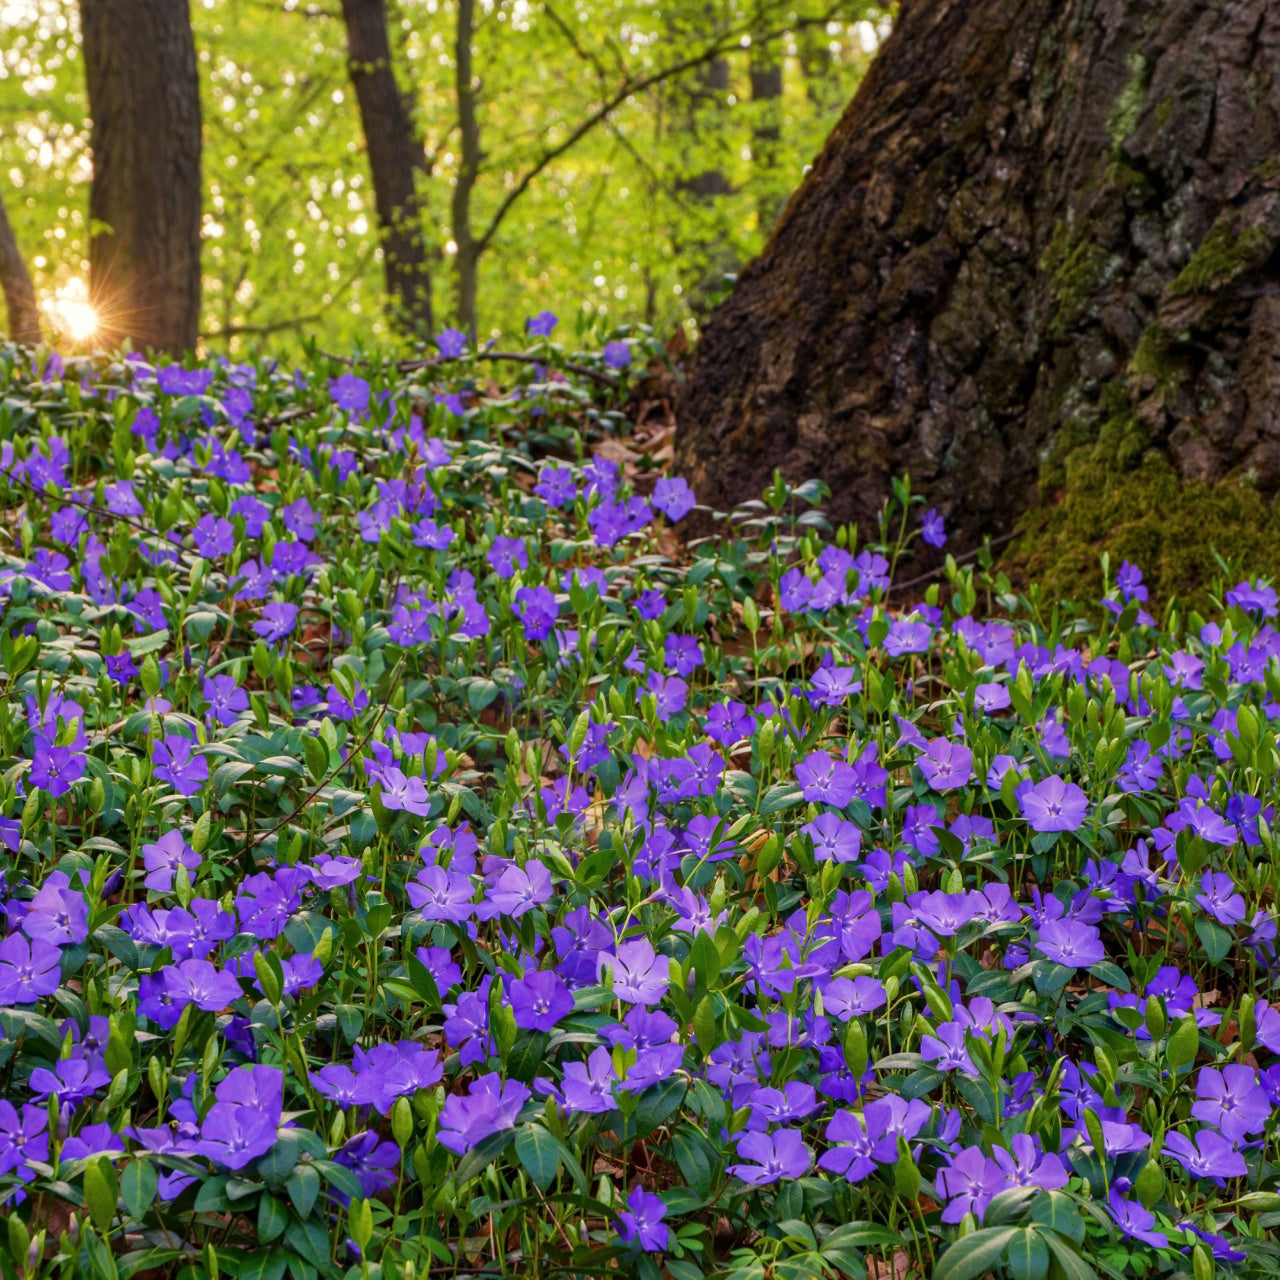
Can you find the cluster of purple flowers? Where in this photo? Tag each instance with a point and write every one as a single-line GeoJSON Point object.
{"type": "Point", "coordinates": [409, 812]}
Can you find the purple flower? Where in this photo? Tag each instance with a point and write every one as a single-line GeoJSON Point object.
{"type": "Point", "coordinates": [969, 1184]}
{"type": "Point", "coordinates": [441, 895]}
{"type": "Point", "coordinates": [556, 486]}
{"type": "Point", "coordinates": [174, 380]}
{"type": "Point", "coordinates": [1218, 897]}
{"type": "Point", "coordinates": [71, 1081]}
{"type": "Point", "coordinates": [641, 1221]}
{"type": "Point", "coordinates": [1252, 597]}
{"type": "Point", "coordinates": [225, 698]}
{"type": "Point", "coordinates": [491, 1107]}
{"type": "Point", "coordinates": [214, 537]}
{"type": "Point", "coordinates": [1231, 1100]}
{"type": "Point", "coordinates": [536, 607]}
{"type": "Point", "coordinates": [1207, 1156]}
{"type": "Point", "coordinates": [518, 890]}
{"type": "Point", "coordinates": [350, 392]}
{"type": "Point", "coordinates": [587, 1087]}
{"type": "Point", "coordinates": [673, 497]}
{"type": "Point", "coordinates": [826, 781]}
{"type": "Point", "coordinates": [24, 1138]}
{"type": "Point", "coordinates": [1072, 944]}
{"type": "Point", "coordinates": [233, 1135]}
{"type": "Point", "coordinates": [540, 326]}
{"type": "Point", "coordinates": [640, 975]}
{"type": "Point", "coordinates": [1052, 804]}
{"type": "Point", "coordinates": [371, 1160]}
{"type": "Point", "coordinates": [539, 1000]}
{"type": "Point", "coordinates": [403, 793]}
{"type": "Point", "coordinates": [946, 765]}
{"type": "Point", "coordinates": [1134, 1220]}
{"type": "Point", "coordinates": [277, 621]}
{"type": "Point", "coordinates": [200, 983]}
{"type": "Point", "coordinates": [163, 858]}
{"type": "Point", "coordinates": [175, 763]}
{"type": "Point", "coordinates": [28, 969]}
{"type": "Point", "coordinates": [932, 529]}
{"type": "Point", "coordinates": [452, 343]}
{"type": "Point", "coordinates": [617, 355]}
{"type": "Point", "coordinates": [768, 1158]}
{"type": "Point", "coordinates": [860, 1143]}
{"type": "Point", "coordinates": [835, 839]}
{"type": "Point", "coordinates": [54, 769]}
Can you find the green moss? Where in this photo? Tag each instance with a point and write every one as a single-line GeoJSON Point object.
{"type": "Point", "coordinates": [1124, 115]}
{"type": "Point", "coordinates": [1147, 515]}
{"type": "Point", "coordinates": [1151, 368]}
{"type": "Point", "coordinates": [1223, 256]}
{"type": "Point", "coordinates": [1076, 268]}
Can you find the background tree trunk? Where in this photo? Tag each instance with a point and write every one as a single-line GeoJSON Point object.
{"type": "Point", "coordinates": [395, 155]}
{"type": "Point", "coordinates": [1036, 226]}
{"type": "Point", "coordinates": [466, 249]}
{"type": "Point", "coordinates": [766, 127]}
{"type": "Point", "coordinates": [144, 201]}
{"type": "Point", "coordinates": [15, 282]}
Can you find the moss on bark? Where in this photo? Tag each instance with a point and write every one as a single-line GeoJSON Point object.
{"type": "Point", "coordinates": [1169, 528]}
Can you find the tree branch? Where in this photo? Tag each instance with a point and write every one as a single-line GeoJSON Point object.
{"type": "Point", "coordinates": [727, 43]}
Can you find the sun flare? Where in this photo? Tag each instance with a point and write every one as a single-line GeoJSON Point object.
{"type": "Point", "coordinates": [72, 312]}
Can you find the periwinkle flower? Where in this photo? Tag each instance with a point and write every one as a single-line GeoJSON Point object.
{"type": "Point", "coordinates": [1053, 804]}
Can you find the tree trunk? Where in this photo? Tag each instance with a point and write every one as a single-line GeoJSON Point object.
{"type": "Point", "coordinates": [766, 127]}
{"type": "Point", "coordinates": [15, 281]}
{"type": "Point", "coordinates": [395, 155]}
{"type": "Point", "coordinates": [467, 250]}
{"type": "Point", "coordinates": [1036, 226]}
{"type": "Point", "coordinates": [144, 201]}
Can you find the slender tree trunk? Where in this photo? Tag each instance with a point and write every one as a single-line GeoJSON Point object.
{"type": "Point", "coordinates": [1036, 227]}
{"type": "Point", "coordinates": [766, 128]}
{"type": "Point", "coordinates": [468, 251]}
{"type": "Point", "coordinates": [395, 156]}
{"type": "Point", "coordinates": [144, 200]}
{"type": "Point", "coordinates": [15, 281]}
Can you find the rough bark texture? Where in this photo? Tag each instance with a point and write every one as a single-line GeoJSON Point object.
{"type": "Point", "coordinates": [1037, 226]}
{"type": "Point", "coordinates": [395, 155]}
{"type": "Point", "coordinates": [144, 201]}
{"type": "Point", "coordinates": [15, 282]}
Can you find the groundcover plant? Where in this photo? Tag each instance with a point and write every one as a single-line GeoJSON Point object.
{"type": "Point", "coordinates": [417, 860]}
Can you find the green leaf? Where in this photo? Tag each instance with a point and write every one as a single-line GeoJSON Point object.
{"type": "Point", "coordinates": [690, 1152]}
{"type": "Point", "coordinates": [482, 1154]}
{"type": "Point", "coordinates": [272, 1218]}
{"type": "Point", "coordinates": [317, 754]}
{"type": "Point", "coordinates": [1028, 1255]}
{"type": "Point", "coordinates": [1059, 1213]}
{"type": "Point", "coordinates": [138, 1187]}
{"type": "Point", "coordinates": [1215, 940]}
{"type": "Point", "coordinates": [101, 1190]}
{"type": "Point", "coordinates": [539, 1153]}
{"type": "Point", "coordinates": [1073, 1266]}
{"type": "Point", "coordinates": [303, 1186]}
{"type": "Point", "coordinates": [975, 1255]}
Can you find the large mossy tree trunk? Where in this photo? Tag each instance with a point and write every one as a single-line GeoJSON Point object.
{"type": "Point", "coordinates": [1040, 227]}
{"type": "Point", "coordinates": [145, 197]}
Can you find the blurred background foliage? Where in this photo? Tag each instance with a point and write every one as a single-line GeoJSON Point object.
{"type": "Point", "coordinates": [631, 215]}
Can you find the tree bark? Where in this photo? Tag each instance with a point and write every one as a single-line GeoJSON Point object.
{"type": "Point", "coordinates": [467, 248]}
{"type": "Point", "coordinates": [15, 281]}
{"type": "Point", "coordinates": [395, 156]}
{"type": "Point", "coordinates": [766, 127]}
{"type": "Point", "coordinates": [145, 197]}
{"type": "Point", "coordinates": [1036, 226]}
